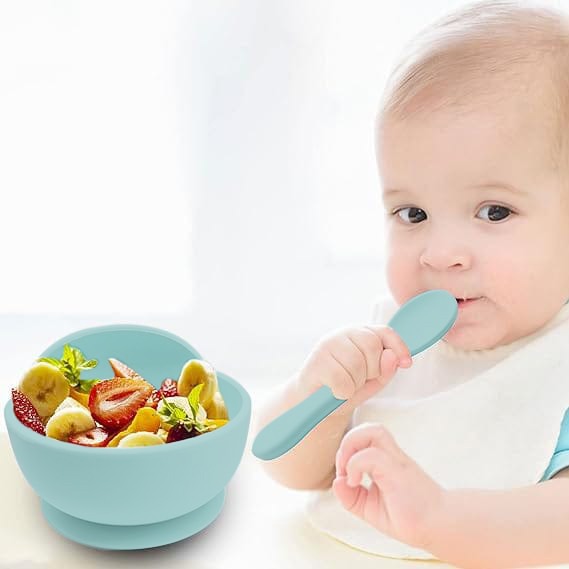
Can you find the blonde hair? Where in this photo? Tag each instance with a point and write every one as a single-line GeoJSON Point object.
{"type": "Point", "coordinates": [481, 52]}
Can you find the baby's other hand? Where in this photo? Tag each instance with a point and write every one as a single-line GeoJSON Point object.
{"type": "Point", "coordinates": [354, 362]}
{"type": "Point", "coordinates": [402, 501]}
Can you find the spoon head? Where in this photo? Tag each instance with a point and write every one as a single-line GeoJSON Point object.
{"type": "Point", "coordinates": [425, 319]}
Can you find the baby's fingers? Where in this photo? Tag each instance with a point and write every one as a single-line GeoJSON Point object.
{"type": "Point", "coordinates": [391, 339]}
{"type": "Point", "coordinates": [388, 365]}
{"type": "Point", "coordinates": [373, 461]}
{"type": "Point", "coordinates": [364, 436]}
{"type": "Point", "coordinates": [365, 502]}
{"type": "Point", "coordinates": [358, 500]}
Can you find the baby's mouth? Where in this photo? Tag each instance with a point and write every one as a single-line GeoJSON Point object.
{"type": "Point", "coordinates": [463, 302]}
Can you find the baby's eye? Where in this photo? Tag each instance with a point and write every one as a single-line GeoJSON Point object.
{"type": "Point", "coordinates": [413, 213]}
{"type": "Point", "coordinates": [497, 212]}
{"type": "Point", "coordinates": [416, 215]}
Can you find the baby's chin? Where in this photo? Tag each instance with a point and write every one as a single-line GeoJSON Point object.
{"type": "Point", "coordinates": [474, 337]}
{"type": "Point", "coordinates": [468, 344]}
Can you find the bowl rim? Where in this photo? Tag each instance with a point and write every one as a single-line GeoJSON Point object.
{"type": "Point", "coordinates": [118, 327]}
{"type": "Point", "coordinates": [14, 425]}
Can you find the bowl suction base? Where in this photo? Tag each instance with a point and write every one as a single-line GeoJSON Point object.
{"type": "Point", "coordinates": [111, 537]}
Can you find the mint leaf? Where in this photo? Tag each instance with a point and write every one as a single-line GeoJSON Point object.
{"type": "Point", "coordinates": [51, 361]}
{"type": "Point", "coordinates": [70, 373]}
{"type": "Point", "coordinates": [179, 413]}
{"type": "Point", "coordinates": [194, 399]}
{"type": "Point", "coordinates": [67, 353]}
{"type": "Point", "coordinates": [166, 406]}
{"type": "Point", "coordinates": [172, 411]}
{"type": "Point", "coordinates": [70, 358]}
{"type": "Point", "coordinates": [73, 381]}
{"type": "Point", "coordinates": [77, 356]}
{"type": "Point", "coordinates": [85, 385]}
{"type": "Point", "coordinates": [71, 364]}
{"type": "Point", "coordinates": [173, 414]}
{"type": "Point", "coordinates": [88, 364]}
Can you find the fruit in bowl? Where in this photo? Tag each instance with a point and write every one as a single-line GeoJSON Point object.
{"type": "Point", "coordinates": [90, 490]}
{"type": "Point", "coordinates": [125, 411]}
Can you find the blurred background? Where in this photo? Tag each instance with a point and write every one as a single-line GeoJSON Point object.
{"type": "Point", "coordinates": [206, 167]}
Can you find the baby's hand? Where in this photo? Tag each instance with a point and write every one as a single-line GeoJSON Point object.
{"type": "Point", "coordinates": [354, 362]}
{"type": "Point", "coordinates": [402, 501]}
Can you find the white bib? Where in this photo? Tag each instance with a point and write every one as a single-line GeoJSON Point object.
{"type": "Point", "coordinates": [488, 419]}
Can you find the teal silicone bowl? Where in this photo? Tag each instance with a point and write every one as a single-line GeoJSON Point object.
{"type": "Point", "coordinates": [133, 498]}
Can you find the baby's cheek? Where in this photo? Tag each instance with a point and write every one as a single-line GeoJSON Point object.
{"type": "Point", "coordinates": [399, 275]}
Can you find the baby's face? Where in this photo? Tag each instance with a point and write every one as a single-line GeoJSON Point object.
{"type": "Point", "coordinates": [482, 214]}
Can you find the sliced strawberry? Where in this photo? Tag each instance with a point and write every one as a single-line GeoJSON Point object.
{"type": "Point", "coordinates": [122, 370]}
{"type": "Point", "coordinates": [97, 437]}
{"type": "Point", "coordinates": [169, 388]}
{"type": "Point", "coordinates": [114, 402]}
{"type": "Point", "coordinates": [26, 412]}
{"type": "Point", "coordinates": [179, 433]}
{"type": "Point", "coordinates": [154, 399]}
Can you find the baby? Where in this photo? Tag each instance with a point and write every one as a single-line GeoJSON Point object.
{"type": "Point", "coordinates": [472, 152]}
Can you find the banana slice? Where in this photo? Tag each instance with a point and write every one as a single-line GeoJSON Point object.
{"type": "Point", "coordinates": [217, 408]}
{"type": "Point", "coordinates": [69, 421]}
{"type": "Point", "coordinates": [162, 433]}
{"type": "Point", "coordinates": [141, 439]}
{"type": "Point", "coordinates": [195, 372]}
{"type": "Point", "coordinates": [185, 405]}
{"type": "Point", "coordinates": [45, 386]}
{"type": "Point", "coordinates": [68, 403]}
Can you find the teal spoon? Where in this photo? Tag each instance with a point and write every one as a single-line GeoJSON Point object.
{"type": "Point", "coordinates": [420, 322]}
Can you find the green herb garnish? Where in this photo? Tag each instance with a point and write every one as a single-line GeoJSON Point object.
{"type": "Point", "coordinates": [173, 414]}
{"type": "Point", "coordinates": [71, 364]}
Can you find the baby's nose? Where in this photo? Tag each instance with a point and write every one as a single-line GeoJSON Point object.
{"type": "Point", "coordinates": [445, 256]}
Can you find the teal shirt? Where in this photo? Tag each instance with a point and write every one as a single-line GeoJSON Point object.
{"type": "Point", "coordinates": [560, 459]}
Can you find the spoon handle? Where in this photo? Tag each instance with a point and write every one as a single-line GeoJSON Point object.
{"type": "Point", "coordinates": [420, 322]}
{"type": "Point", "coordinates": [285, 431]}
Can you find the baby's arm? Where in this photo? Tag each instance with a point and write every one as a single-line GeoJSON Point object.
{"type": "Point", "coordinates": [522, 527]}
{"type": "Point", "coordinates": [468, 528]}
{"type": "Point", "coordinates": [355, 363]}
{"type": "Point", "coordinates": [310, 464]}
